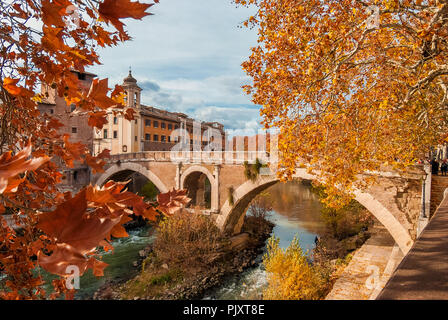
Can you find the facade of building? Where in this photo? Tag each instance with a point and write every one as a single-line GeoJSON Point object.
{"type": "Point", "coordinates": [152, 130]}
{"type": "Point", "coordinates": [74, 124]}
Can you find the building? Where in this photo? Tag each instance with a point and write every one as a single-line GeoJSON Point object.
{"type": "Point", "coordinates": [152, 130]}
{"type": "Point", "coordinates": [74, 124]}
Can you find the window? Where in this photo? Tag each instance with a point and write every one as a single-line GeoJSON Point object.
{"type": "Point", "coordinates": [135, 121]}
{"type": "Point", "coordinates": [135, 138]}
{"type": "Point", "coordinates": [135, 98]}
{"type": "Point", "coordinates": [51, 111]}
{"type": "Point", "coordinates": [75, 175]}
{"type": "Point", "coordinates": [115, 120]}
{"type": "Point", "coordinates": [105, 133]}
{"type": "Point", "coordinates": [176, 126]}
{"type": "Point", "coordinates": [163, 125]}
{"type": "Point", "coordinates": [169, 138]}
{"type": "Point", "coordinates": [115, 134]}
{"type": "Point", "coordinates": [125, 97]}
{"type": "Point", "coordinates": [170, 126]}
{"type": "Point", "coordinates": [163, 138]}
{"type": "Point", "coordinates": [81, 76]}
{"type": "Point", "coordinates": [74, 130]}
{"type": "Point", "coordinates": [72, 107]}
{"type": "Point", "coordinates": [156, 137]}
{"type": "Point", "coordinates": [147, 137]}
{"type": "Point", "coordinates": [147, 123]}
{"type": "Point", "coordinates": [191, 141]}
{"type": "Point", "coordinates": [156, 124]}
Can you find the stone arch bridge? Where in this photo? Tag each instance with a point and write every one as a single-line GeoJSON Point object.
{"type": "Point", "coordinates": [395, 200]}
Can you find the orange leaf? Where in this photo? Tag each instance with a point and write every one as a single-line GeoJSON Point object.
{"type": "Point", "coordinates": [10, 85]}
{"type": "Point", "coordinates": [10, 166]}
{"type": "Point", "coordinates": [113, 10]}
{"type": "Point", "coordinates": [172, 201]}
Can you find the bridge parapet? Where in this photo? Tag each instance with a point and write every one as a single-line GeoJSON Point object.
{"type": "Point", "coordinates": [194, 157]}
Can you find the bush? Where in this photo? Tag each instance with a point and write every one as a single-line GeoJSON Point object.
{"type": "Point", "coordinates": [149, 191]}
{"type": "Point", "coordinates": [260, 207]}
{"type": "Point", "coordinates": [344, 222]}
{"type": "Point", "coordinates": [251, 171]}
{"type": "Point", "coordinates": [347, 221]}
{"type": "Point", "coordinates": [291, 276]}
{"type": "Point", "coordinates": [189, 241]}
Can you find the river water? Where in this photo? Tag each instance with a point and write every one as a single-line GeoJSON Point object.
{"type": "Point", "coordinates": [295, 212]}
{"type": "Point", "coordinates": [126, 251]}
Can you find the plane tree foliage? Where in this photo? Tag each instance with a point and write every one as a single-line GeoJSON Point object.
{"type": "Point", "coordinates": [353, 86]}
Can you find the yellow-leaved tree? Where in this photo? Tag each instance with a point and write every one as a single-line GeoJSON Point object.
{"type": "Point", "coordinates": [290, 275]}
{"type": "Point", "coordinates": [353, 86]}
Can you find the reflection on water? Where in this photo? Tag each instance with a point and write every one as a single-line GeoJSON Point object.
{"type": "Point", "coordinates": [296, 212]}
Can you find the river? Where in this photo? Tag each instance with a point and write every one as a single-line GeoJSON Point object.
{"type": "Point", "coordinates": [295, 212]}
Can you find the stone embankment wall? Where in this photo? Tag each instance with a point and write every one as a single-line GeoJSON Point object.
{"type": "Point", "coordinates": [370, 268]}
{"type": "Point", "coordinates": [438, 186]}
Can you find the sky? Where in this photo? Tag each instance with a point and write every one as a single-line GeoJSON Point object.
{"type": "Point", "coordinates": [187, 58]}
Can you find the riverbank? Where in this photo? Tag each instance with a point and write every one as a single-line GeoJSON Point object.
{"type": "Point", "coordinates": [369, 269]}
{"type": "Point", "coordinates": [233, 268]}
{"type": "Point", "coordinates": [158, 279]}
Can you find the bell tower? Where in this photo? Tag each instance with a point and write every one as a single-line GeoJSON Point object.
{"type": "Point", "coordinates": [130, 132]}
{"type": "Point", "coordinates": [132, 90]}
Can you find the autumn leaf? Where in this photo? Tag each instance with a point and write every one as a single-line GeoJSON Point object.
{"type": "Point", "coordinates": [113, 10]}
{"type": "Point", "coordinates": [71, 224]}
{"type": "Point", "coordinates": [11, 166]}
{"type": "Point", "coordinates": [97, 119]}
{"type": "Point", "coordinates": [11, 86]}
{"type": "Point", "coordinates": [52, 12]}
{"type": "Point", "coordinates": [172, 201]}
{"type": "Point", "coordinates": [98, 93]}
{"type": "Point", "coordinates": [95, 163]}
{"type": "Point", "coordinates": [129, 114]}
{"type": "Point", "coordinates": [62, 257]}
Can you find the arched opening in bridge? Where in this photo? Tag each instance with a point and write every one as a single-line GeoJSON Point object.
{"type": "Point", "coordinates": [199, 190]}
{"type": "Point", "coordinates": [138, 183]}
{"type": "Point", "coordinates": [232, 215]}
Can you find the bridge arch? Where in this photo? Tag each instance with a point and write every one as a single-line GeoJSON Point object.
{"type": "Point", "coordinates": [194, 173]}
{"type": "Point", "coordinates": [230, 217]}
{"type": "Point", "coordinates": [127, 166]}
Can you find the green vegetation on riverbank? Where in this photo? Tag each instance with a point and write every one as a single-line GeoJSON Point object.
{"type": "Point", "coordinates": [346, 229]}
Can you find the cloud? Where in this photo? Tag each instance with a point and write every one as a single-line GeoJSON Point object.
{"type": "Point", "coordinates": [149, 85]}
{"type": "Point", "coordinates": [236, 120]}
{"type": "Point", "coordinates": [187, 57]}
